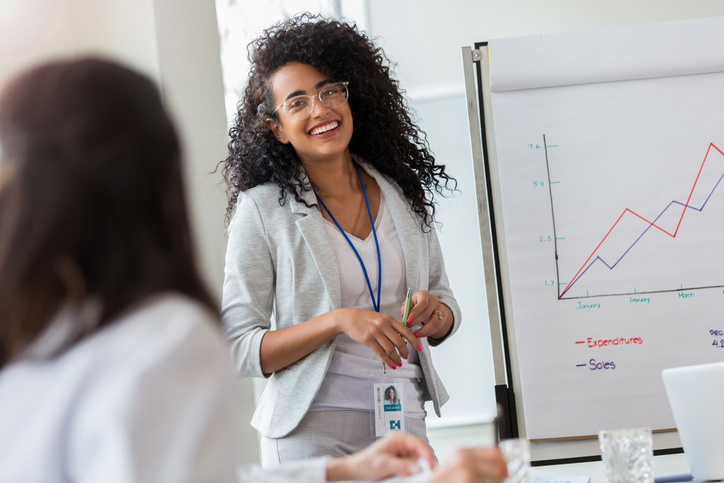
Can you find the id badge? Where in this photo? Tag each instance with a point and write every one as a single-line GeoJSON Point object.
{"type": "Point", "coordinates": [389, 408]}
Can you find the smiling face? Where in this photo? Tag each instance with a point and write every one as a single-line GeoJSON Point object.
{"type": "Point", "coordinates": [326, 133]}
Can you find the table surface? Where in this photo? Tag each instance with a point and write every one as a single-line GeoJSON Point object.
{"type": "Point", "coordinates": [664, 465]}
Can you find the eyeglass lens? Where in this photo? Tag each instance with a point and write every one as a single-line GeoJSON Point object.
{"type": "Point", "coordinates": [331, 95]}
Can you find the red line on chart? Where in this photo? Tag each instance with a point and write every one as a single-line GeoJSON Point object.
{"type": "Point", "coordinates": [581, 271]}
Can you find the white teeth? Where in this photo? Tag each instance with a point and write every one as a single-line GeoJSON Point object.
{"type": "Point", "coordinates": [325, 128]}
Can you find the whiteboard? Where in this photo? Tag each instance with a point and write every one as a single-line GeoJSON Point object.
{"type": "Point", "coordinates": [609, 202]}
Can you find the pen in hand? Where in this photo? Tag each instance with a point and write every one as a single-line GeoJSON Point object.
{"type": "Point", "coordinates": [408, 303]}
{"type": "Point", "coordinates": [405, 315]}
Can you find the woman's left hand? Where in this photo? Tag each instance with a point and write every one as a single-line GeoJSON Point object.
{"type": "Point", "coordinates": [436, 318]}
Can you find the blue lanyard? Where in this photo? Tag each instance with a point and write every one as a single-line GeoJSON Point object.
{"type": "Point", "coordinates": [375, 303]}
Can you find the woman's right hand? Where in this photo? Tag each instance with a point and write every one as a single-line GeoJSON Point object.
{"type": "Point", "coordinates": [381, 333]}
{"type": "Point", "coordinates": [472, 465]}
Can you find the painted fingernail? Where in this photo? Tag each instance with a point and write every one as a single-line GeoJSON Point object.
{"type": "Point", "coordinates": [410, 319]}
{"type": "Point", "coordinates": [405, 357]}
{"type": "Point", "coordinates": [417, 335]}
{"type": "Point", "coordinates": [419, 347]}
{"type": "Point", "coordinates": [394, 367]}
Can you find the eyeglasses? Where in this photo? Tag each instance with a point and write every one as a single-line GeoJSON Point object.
{"type": "Point", "coordinates": [300, 107]}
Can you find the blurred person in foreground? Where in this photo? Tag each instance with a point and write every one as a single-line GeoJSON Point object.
{"type": "Point", "coordinates": [112, 366]}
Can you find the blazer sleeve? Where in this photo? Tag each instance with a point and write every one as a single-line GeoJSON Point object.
{"type": "Point", "coordinates": [248, 290]}
{"type": "Point", "coordinates": [439, 284]}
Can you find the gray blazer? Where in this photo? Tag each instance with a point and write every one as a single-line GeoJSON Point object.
{"type": "Point", "coordinates": [281, 266]}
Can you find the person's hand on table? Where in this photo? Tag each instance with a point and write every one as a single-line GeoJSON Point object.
{"type": "Point", "coordinates": [394, 455]}
{"type": "Point", "coordinates": [472, 465]}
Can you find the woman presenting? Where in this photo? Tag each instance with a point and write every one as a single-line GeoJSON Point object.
{"type": "Point", "coordinates": [331, 183]}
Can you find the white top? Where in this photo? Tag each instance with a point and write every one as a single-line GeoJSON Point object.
{"type": "Point", "coordinates": [148, 398]}
{"type": "Point", "coordinates": [354, 366]}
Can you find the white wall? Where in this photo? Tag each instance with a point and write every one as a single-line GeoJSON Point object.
{"type": "Point", "coordinates": [33, 31]}
{"type": "Point", "coordinates": [176, 42]}
{"type": "Point", "coordinates": [424, 38]}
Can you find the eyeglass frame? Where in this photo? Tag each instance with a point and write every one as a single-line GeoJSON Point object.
{"type": "Point", "coordinates": [318, 95]}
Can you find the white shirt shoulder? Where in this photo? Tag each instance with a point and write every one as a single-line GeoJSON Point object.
{"type": "Point", "coordinates": [147, 398]}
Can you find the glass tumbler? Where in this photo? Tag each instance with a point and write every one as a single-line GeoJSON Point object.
{"type": "Point", "coordinates": [627, 455]}
{"type": "Point", "coordinates": [517, 455]}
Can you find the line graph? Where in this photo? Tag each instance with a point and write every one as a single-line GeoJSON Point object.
{"type": "Point", "coordinates": [595, 258]}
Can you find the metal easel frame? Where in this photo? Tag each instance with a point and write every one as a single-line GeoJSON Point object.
{"type": "Point", "coordinates": [483, 152]}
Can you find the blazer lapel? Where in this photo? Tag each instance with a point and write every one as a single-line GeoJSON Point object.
{"type": "Point", "coordinates": [405, 223]}
{"type": "Point", "coordinates": [314, 232]}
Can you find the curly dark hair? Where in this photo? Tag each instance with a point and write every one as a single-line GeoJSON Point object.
{"type": "Point", "coordinates": [384, 133]}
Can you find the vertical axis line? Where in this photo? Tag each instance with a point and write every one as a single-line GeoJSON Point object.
{"type": "Point", "coordinates": [553, 217]}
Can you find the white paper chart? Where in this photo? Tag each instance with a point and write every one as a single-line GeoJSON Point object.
{"type": "Point", "coordinates": [613, 221]}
